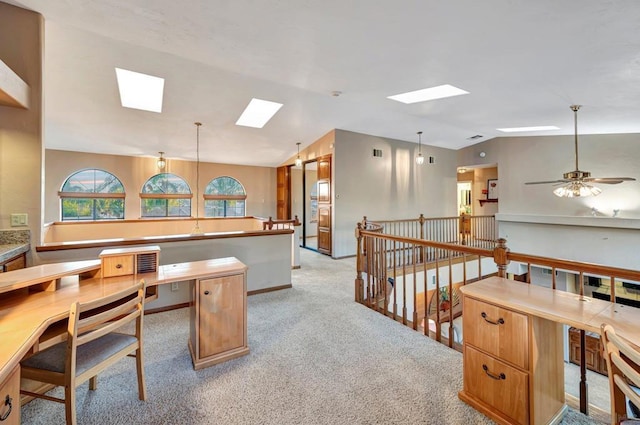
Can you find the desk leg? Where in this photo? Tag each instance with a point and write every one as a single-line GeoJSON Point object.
{"type": "Point", "coordinates": [584, 395]}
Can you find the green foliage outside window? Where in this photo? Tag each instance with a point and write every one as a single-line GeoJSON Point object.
{"type": "Point", "coordinates": [104, 198]}
{"type": "Point", "coordinates": [164, 184]}
{"type": "Point", "coordinates": [224, 197]}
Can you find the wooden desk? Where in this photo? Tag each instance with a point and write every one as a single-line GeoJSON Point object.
{"type": "Point", "coordinates": [513, 346]}
{"type": "Point", "coordinates": [25, 316]}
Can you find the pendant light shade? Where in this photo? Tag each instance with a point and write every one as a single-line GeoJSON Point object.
{"type": "Point", "coordinates": [419, 157]}
{"type": "Point", "coordinates": [162, 162]}
{"type": "Point", "coordinates": [298, 160]}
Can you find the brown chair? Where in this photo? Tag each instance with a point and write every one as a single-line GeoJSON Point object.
{"type": "Point", "coordinates": [623, 362]}
{"type": "Point", "coordinates": [92, 345]}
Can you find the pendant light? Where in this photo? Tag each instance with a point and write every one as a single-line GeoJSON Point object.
{"type": "Point", "coordinates": [196, 230]}
{"type": "Point", "coordinates": [419, 157]}
{"type": "Point", "coordinates": [162, 162]}
{"type": "Point", "coordinates": [298, 160]}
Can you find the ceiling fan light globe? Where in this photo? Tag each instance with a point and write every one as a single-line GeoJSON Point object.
{"type": "Point", "coordinates": [576, 189]}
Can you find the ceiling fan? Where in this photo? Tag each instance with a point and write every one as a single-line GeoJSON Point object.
{"type": "Point", "coordinates": [577, 181]}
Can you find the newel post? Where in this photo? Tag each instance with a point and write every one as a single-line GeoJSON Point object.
{"type": "Point", "coordinates": [500, 256]}
{"type": "Point", "coordinates": [359, 282]}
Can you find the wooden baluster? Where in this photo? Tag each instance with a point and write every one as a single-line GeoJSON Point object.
{"type": "Point", "coordinates": [404, 284]}
{"type": "Point", "coordinates": [415, 289]}
{"type": "Point", "coordinates": [395, 281]}
{"type": "Point", "coordinates": [500, 256]}
{"type": "Point", "coordinates": [584, 387]}
{"type": "Point", "coordinates": [359, 282]}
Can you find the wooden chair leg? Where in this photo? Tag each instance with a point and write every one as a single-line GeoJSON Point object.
{"type": "Point", "coordinates": [93, 383]}
{"type": "Point", "coordinates": [70, 404]}
{"type": "Point", "coordinates": [142, 390]}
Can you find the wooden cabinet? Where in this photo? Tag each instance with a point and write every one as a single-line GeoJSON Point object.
{"type": "Point", "coordinates": [10, 398]}
{"type": "Point", "coordinates": [512, 362]}
{"type": "Point", "coordinates": [128, 261]}
{"type": "Point", "coordinates": [15, 263]}
{"type": "Point", "coordinates": [593, 351]}
{"type": "Point", "coordinates": [218, 319]}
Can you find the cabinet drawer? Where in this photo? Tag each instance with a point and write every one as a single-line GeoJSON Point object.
{"type": "Point", "coordinates": [500, 332]}
{"type": "Point", "coordinates": [497, 384]}
{"type": "Point", "coordinates": [119, 265]}
{"type": "Point", "coordinates": [10, 399]}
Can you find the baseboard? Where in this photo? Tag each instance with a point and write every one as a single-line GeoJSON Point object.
{"type": "Point", "coordinates": [183, 305]}
{"type": "Point", "coordinates": [265, 290]}
{"type": "Point", "coordinates": [166, 308]}
{"type": "Point", "coordinates": [345, 256]}
{"type": "Point", "coordinates": [594, 412]}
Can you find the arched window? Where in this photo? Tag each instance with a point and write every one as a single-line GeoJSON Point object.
{"type": "Point", "coordinates": [224, 197]}
{"type": "Point", "coordinates": [92, 194]}
{"type": "Point", "coordinates": [165, 195]}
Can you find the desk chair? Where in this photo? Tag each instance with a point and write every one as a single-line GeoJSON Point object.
{"type": "Point", "coordinates": [91, 346]}
{"type": "Point", "coordinates": [623, 362]}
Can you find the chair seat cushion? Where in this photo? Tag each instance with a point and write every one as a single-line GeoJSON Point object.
{"type": "Point", "coordinates": [87, 355]}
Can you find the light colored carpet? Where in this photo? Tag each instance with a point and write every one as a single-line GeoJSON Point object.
{"type": "Point", "coordinates": [316, 357]}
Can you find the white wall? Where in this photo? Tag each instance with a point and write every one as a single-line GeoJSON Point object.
{"type": "Point", "coordinates": [391, 187]}
{"type": "Point", "coordinates": [535, 221]}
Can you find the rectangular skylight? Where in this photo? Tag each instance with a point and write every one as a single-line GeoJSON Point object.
{"type": "Point", "coordinates": [518, 129]}
{"type": "Point", "coordinates": [140, 91]}
{"type": "Point", "coordinates": [432, 93]}
{"type": "Point", "coordinates": [258, 113]}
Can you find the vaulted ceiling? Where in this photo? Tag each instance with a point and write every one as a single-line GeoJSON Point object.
{"type": "Point", "coordinates": [523, 63]}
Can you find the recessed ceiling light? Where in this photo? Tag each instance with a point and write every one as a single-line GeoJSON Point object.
{"type": "Point", "coordinates": [538, 128]}
{"type": "Point", "coordinates": [432, 93]}
{"type": "Point", "coordinates": [258, 113]}
{"type": "Point", "coordinates": [140, 91]}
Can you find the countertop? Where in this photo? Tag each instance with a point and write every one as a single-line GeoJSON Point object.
{"type": "Point", "coordinates": [10, 250]}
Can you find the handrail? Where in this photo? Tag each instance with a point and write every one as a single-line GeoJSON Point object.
{"type": "Point", "coordinates": [280, 224]}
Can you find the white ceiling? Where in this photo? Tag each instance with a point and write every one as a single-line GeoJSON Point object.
{"type": "Point", "coordinates": [523, 62]}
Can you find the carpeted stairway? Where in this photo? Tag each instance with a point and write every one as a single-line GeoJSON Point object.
{"type": "Point", "coordinates": [316, 357]}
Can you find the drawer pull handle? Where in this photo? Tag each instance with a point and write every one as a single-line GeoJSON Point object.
{"type": "Point", "coordinates": [118, 266]}
{"type": "Point", "coordinates": [7, 402]}
{"type": "Point", "coordinates": [207, 292]}
{"type": "Point", "coordinates": [492, 375]}
{"type": "Point", "coordinates": [499, 322]}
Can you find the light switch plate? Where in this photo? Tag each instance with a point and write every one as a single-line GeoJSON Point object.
{"type": "Point", "coordinates": [19, 220]}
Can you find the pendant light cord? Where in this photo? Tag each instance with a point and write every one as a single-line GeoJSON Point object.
{"type": "Point", "coordinates": [198, 124]}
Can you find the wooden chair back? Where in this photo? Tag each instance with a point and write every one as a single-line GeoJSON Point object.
{"type": "Point", "coordinates": [623, 363]}
{"type": "Point", "coordinates": [93, 343]}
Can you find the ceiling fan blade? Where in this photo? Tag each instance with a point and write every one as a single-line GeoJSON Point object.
{"type": "Point", "coordinates": [609, 180]}
{"type": "Point", "coordinates": [550, 182]}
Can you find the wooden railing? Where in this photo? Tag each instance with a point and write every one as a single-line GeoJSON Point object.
{"type": "Point", "coordinates": [399, 276]}
{"type": "Point", "coordinates": [271, 224]}
{"type": "Point", "coordinates": [478, 231]}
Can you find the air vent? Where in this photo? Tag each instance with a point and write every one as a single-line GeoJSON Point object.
{"type": "Point", "coordinates": [377, 153]}
{"type": "Point", "coordinates": [477, 136]}
{"type": "Point", "coordinates": [147, 263]}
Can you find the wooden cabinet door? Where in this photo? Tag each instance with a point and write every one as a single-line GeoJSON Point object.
{"type": "Point", "coordinates": [221, 321]}
{"type": "Point", "coordinates": [283, 206]}
{"type": "Point", "coordinates": [324, 204]}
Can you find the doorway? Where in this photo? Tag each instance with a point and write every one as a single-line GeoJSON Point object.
{"type": "Point", "coordinates": [306, 193]}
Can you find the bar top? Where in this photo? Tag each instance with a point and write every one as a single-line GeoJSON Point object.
{"type": "Point", "coordinates": [558, 306]}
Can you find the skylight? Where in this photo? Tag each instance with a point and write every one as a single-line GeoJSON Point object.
{"type": "Point", "coordinates": [432, 93]}
{"type": "Point", "coordinates": [140, 91]}
{"type": "Point", "coordinates": [258, 113]}
{"type": "Point", "coordinates": [519, 129]}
